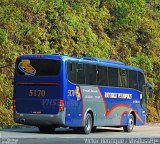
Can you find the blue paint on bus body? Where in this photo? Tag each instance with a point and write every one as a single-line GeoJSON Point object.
{"type": "Point", "coordinates": [111, 111]}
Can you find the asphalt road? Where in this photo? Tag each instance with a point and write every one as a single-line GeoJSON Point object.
{"type": "Point", "coordinates": [143, 134]}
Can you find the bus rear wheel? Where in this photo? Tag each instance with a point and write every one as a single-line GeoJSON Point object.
{"type": "Point", "coordinates": [130, 125]}
{"type": "Point", "coordinates": [46, 129]}
{"type": "Point", "coordinates": [88, 122]}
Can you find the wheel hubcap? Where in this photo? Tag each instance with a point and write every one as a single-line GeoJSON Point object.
{"type": "Point", "coordinates": [88, 123]}
{"type": "Point", "coordinates": [131, 123]}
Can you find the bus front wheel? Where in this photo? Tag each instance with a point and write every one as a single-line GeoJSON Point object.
{"type": "Point", "coordinates": [130, 125]}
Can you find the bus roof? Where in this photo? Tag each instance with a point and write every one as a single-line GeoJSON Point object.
{"type": "Point", "coordinates": [91, 60]}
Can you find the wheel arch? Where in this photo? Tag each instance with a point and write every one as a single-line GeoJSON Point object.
{"type": "Point", "coordinates": [134, 115]}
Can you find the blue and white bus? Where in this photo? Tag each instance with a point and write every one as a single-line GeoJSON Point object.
{"type": "Point", "coordinates": [81, 93]}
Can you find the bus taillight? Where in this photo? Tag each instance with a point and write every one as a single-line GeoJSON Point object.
{"type": "Point", "coordinates": [61, 105]}
{"type": "Point", "coordinates": [14, 104]}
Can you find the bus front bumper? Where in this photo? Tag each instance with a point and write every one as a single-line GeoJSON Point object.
{"type": "Point", "coordinates": [40, 119]}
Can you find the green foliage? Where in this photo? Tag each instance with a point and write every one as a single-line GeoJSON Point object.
{"type": "Point", "coordinates": [152, 114]}
{"type": "Point", "coordinates": [125, 30]}
{"type": "Point", "coordinates": [6, 116]}
{"type": "Point", "coordinates": [142, 61]}
{"type": "Point", "coordinates": [125, 14]}
{"type": "Point", "coordinates": [3, 36]}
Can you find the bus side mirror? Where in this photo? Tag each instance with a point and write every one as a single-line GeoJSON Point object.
{"type": "Point", "coordinates": [150, 87]}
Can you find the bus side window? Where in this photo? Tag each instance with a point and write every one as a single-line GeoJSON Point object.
{"type": "Point", "coordinates": [123, 78]}
{"type": "Point", "coordinates": [141, 80]}
{"type": "Point", "coordinates": [133, 79]}
{"type": "Point", "coordinates": [90, 74]}
{"type": "Point", "coordinates": [71, 71]}
{"type": "Point", "coordinates": [102, 76]}
{"type": "Point", "coordinates": [113, 76]}
{"type": "Point", "coordinates": [80, 73]}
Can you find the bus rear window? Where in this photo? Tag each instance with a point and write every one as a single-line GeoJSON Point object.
{"type": "Point", "coordinates": [38, 67]}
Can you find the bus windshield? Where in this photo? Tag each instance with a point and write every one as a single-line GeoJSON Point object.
{"type": "Point", "coordinates": [37, 67]}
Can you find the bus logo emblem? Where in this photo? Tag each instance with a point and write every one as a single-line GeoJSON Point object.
{"type": "Point", "coordinates": [78, 94]}
{"type": "Point", "coordinates": [26, 68]}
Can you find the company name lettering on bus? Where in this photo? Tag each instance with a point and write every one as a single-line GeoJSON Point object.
{"type": "Point", "coordinates": [91, 97]}
{"type": "Point", "coordinates": [90, 91]}
{"type": "Point", "coordinates": [26, 68]}
{"type": "Point", "coordinates": [71, 92]}
{"type": "Point", "coordinates": [118, 95]}
{"type": "Point", "coordinates": [53, 103]}
{"type": "Point", "coordinates": [75, 92]}
{"type": "Point", "coordinates": [136, 101]}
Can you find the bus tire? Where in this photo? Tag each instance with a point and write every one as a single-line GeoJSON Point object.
{"type": "Point", "coordinates": [46, 129]}
{"type": "Point", "coordinates": [130, 125]}
{"type": "Point", "coordinates": [88, 123]}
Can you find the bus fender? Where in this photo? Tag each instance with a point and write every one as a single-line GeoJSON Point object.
{"type": "Point", "coordinates": [125, 117]}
